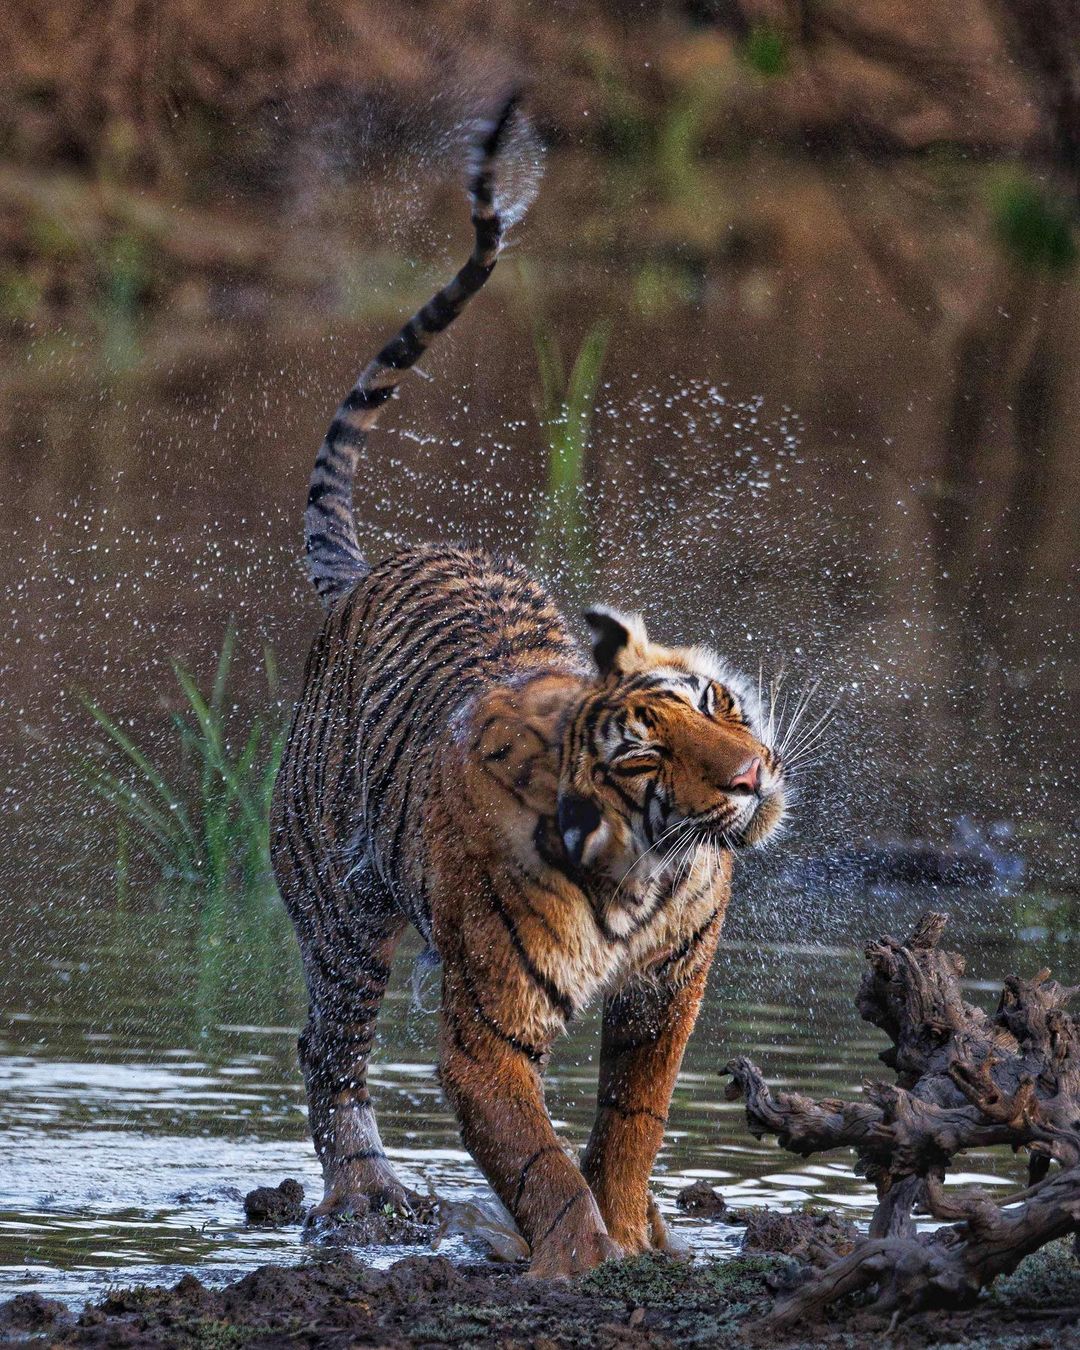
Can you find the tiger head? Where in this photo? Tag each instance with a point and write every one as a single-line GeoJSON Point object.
{"type": "Point", "coordinates": [666, 748]}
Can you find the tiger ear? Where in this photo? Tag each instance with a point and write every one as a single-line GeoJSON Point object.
{"type": "Point", "coordinates": [581, 827]}
{"type": "Point", "coordinates": [617, 638]}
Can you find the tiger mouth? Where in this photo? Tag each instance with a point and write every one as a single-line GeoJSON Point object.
{"type": "Point", "coordinates": [733, 827]}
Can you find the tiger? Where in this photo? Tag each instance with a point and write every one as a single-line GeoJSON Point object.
{"type": "Point", "coordinates": [558, 822]}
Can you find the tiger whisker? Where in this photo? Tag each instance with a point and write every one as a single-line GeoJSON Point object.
{"type": "Point", "coordinates": [642, 856]}
{"type": "Point", "coordinates": [808, 746]}
{"type": "Point", "coordinates": [797, 715]}
{"type": "Point", "coordinates": [685, 865]}
{"type": "Point", "coordinates": [774, 690]}
{"type": "Point", "coordinates": [801, 767]}
{"type": "Point", "coordinates": [781, 715]}
{"type": "Point", "coordinates": [820, 725]}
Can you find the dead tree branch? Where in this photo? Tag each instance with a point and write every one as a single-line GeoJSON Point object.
{"type": "Point", "coordinates": [963, 1080]}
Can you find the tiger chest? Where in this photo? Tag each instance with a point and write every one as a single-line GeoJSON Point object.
{"type": "Point", "coordinates": [651, 934]}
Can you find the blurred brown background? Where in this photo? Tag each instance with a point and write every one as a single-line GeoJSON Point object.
{"type": "Point", "coordinates": [858, 218]}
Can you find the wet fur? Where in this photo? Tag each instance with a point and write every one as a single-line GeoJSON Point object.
{"type": "Point", "coordinates": [457, 760]}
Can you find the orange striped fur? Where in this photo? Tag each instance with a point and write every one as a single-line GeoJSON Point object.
{"type": "Point", "coordinates": [559, 829]}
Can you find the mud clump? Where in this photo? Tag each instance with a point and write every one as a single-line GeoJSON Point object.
{"type": "Point", "coordinates": [275, 1206]}
{"type": "Point", "coordinates": [806, 1235]}
{"type": "Point", "coordinates": [31, 1312]}
{"type": "Point", "coordinates": [334, 1300]}
{"type": "Point", "coordinates": [376, 1228]}
{"type": "Point", "coordinates": [703, 1202]}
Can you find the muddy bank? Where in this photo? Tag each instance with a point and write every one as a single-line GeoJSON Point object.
{"type": "Point", "coordinates": [192, 109]}
{"type": "Point", "coordinates": [335, 1300]}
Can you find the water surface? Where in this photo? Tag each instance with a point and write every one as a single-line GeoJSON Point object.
{"type": "Point", "coordinates": [800, 454]}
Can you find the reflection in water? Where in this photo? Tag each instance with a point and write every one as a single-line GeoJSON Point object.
{"type": "Point", "coordinates": [785, 458]}
{"type": "Point", "coordinates": [140, 1116]}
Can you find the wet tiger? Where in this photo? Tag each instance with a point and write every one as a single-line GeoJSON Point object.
{"type": "Point", "coordinates": [558, 827]}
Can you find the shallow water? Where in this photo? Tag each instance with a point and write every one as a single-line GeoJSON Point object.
{"type": "Point", "coordinates": [788, 461]}
{"type": "Point", "coordinates": [131, 1127]}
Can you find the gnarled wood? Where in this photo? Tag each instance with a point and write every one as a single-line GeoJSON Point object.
{"type": "Point", "coordinates": [963, 1080]}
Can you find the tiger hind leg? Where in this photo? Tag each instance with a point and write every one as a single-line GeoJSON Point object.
{"type": "Point", "coordinates": [347, 949]}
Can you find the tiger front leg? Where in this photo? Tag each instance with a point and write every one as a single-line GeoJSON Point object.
{"type": "Point", "coordinates": [497, 1093]}
{"type": "Point", "coordinates": [645, 1030]}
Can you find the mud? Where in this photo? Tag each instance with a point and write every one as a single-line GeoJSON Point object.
{"type": "Point", "coordinates": [334, 1300]}
{"type": "Point", "coordinates": [275, 1206]}
{"type": "Point", "coordinates": [808, 1236]}
{"type": "Point", "coordinates": [702, 1201]}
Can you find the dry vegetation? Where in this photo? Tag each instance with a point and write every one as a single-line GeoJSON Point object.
{"type": "Point", "coordinates": [164, 92]}
{"type": "Point", "coordinates": [964, 1080]}
{"type": "Point", "coordinates": [113, 115]}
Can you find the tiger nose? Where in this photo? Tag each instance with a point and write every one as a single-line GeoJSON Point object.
{"type": "Point", "coordinates": [749, 776]}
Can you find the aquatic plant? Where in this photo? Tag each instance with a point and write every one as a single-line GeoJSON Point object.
{"type": "Point", "coordinates": [663, 144]}
{"type": "Point", "coordinates": [1032, 225]}
{"type": "Point", "coordinates": [766, 50]}
{"type": "Point", "coordinates": [566, 405]}
{"type": "Point", "coordinates": [662, 285]}
{"type": "Point", "coordinates": [209, 825]}
{"type": "Point", "coordinates": [680, 136]}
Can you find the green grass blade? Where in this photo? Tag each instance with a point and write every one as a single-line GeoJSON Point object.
{"type": "Point", "coordinates": [215, 827]}
{"type": "Point", "coordinates": [213, 748]}
{"type": "Point", "coordinates": [168, 794]}
{"type": "Point", "coordinates": [224, 664]}
{"type": "Point", "coordinates": [153, 836]}
{"type": "Point", "coordinates": [270, 666]}
{"type": "Point", "coordinates": [584, 383]}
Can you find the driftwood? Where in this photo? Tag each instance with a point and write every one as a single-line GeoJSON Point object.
{"type": "Point", "coordinates": [963, 1080]}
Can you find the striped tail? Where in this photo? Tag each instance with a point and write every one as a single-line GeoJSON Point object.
{"type": "Point", "coordinates": [335, 562]}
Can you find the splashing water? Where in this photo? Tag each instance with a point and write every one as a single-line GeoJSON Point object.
{"type": "Point", "coordinates": [741, 486]}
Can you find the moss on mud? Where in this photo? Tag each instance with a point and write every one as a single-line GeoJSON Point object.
{"type": "Point", "coordinates": [650, 1303]}
{"type": "Point", "coordinates": [1049, 1278]}
{"type": "Point", "coordinates": [650, 1281]}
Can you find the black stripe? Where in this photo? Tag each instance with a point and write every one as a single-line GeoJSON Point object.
{"type": "Point", "coordinates": [455, 1034]}
{"type": "Point", "coordinates": [522, 1047]}
{"type": "Point", "coordinates": [628, 802]}
{"type": "Point", "coordinates": [320, 542]}
{"type": "Point", "coordinates": [360, 399]}
{"type": "Point", "coordinates": [540, 1153]}
{"type": "Point", "coordinates": [414, 734]}
{"type": "Point", "coordinates": [473, 275]}
{"type": "Point", "coordinates": [404, 350]}
{"type": "Point", "coordinates": [439, 313]}
{"type": "Point", "coordinates": [561, 1215]}
{"type": "Point", "coordinates": [454, 668]}
{"type": "Point", "coordinates": [685, 948]}
{"type": "Point", "coordinates": [630, 1045]}
{"type": "Point", "coordinates": [410, 663]}
{"type": "Point", "coordinates": [626, 1112]}
{"type": "Point", "coordinates": [551, 991]}
{"type": "Point", "coordinates": [488, 233]}
{"type": "Point", "coordinates": [343, 432]}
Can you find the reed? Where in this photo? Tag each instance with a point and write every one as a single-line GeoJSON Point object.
{"type": "Point", "coordinates": [207, 823]}
{"type": "Point", "coordinates": [566, 405]}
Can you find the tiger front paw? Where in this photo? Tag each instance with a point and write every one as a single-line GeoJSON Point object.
{"type": "Point", "coordinates": [578, 1242]}
{"type": "Point", "coordinates": [662, 1239]}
